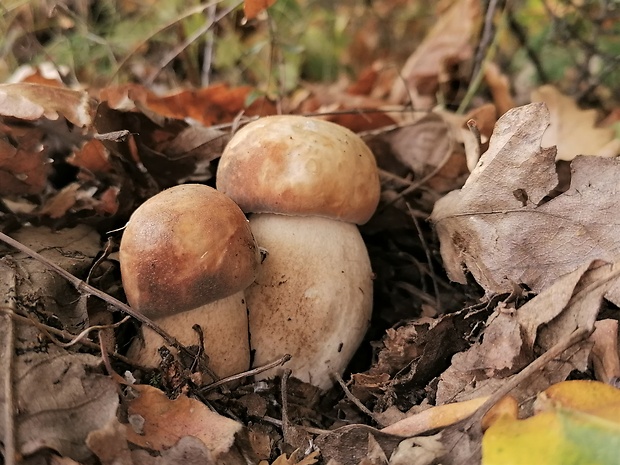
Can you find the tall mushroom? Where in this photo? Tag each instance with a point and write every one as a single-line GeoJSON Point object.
{"type": "Point", "coordinates": [307, 182]}
{"type": "Point", "coordinates": [186, 256]}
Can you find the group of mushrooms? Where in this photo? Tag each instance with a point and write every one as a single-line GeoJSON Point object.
{"type": "Point", "coordinates": [189, 256]}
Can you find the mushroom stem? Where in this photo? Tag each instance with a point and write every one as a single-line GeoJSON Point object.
{"type": "Point", "coordinates": [222, 321]}
{"type": "Point", "coordinates": [312, 298]}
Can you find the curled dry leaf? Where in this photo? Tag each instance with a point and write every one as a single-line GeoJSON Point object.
{"type": "Point", "coordinates": [502, 227]}
{"type": "Point", "coordinates": [33, 101]}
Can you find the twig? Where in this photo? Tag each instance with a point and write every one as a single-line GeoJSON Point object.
{"type": "Point", "coordinates": [488, 31]}
{"type": "Point", "coordinates": [309, 429]}
{"type": "Point", "coordinates": [286, 426]}
{"type": "Point", "coordinates": [187, 42]}
{"type": "Point", "coordinates": [87, 289]}
{"type": "Point", "coordinates": [427, 252]}
{"type": "Point", "coordinates": [10, 449]}
{"type": "Point", "coordinates": [207, 54]}
{"type": "Point", "coordinates": [76, 339]}
{"type": "Point", "coordinates": [252, 372]}
{"type": "Point", "coordinates": [355, 400]}
{"type": "Point", "coordinates": [63, 334]}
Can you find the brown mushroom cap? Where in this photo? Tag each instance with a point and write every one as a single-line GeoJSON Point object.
{"type": "Point", "coordinates": [185, 247]}
{"type": "Point", "coordinates": [301, 166]}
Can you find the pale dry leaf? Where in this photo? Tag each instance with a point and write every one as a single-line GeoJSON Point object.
{"type": "Point", "coordinates": [605, 352]}
{"type": "Point", "coordinates": [109, 443]}
{"type": "Point", "coordinates": [423, 450]}
{"type": "Point", "coordinates": [447, 42]}
{"type": "Point", "coordinates": [573, 130]}
{"type": "Point", "coordinates": [499, 228]}
{"type": "Point", "coordinates": [33, 101]}
{"type": "Point", "coordinates": [422, 146]}
{"type": "Point", "coordinates": [166, 421]}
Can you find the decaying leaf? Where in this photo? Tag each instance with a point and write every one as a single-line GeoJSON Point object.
{"type": "Point", "coordinates": [165, 421]}
{"type": "Point", "coordinates": [571, 303]}
{"type": "Point", "coordinates": [572, 130]}
{"type": "Point", "coordinates": [501, 227]}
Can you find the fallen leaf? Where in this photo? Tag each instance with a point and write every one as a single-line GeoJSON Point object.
{"type": "Point", "coordinates": [187, 451]}
{"type": "Point", "coordinates": [572, 302]}
{"type": "Point", "coordinates": [580, 424]}
{"type": "Point", "coordinates": [502, 229]}
{"type": "Point", "coordinates": [348, 445]}
{"type": "Point", "coordinates": [166, 421]}
{"type": "Point", "coordinates": [434, 417]}
{"type": "Point", "coordinates": [252, 8]}
{"type": "Point", "coordinates": [447, 42]}
{"type": "Point", "coordinates": [33, 101]}
{"type": "Point", "coordinates": [572, 130]}
{"type": "Point", "coordinates": [424, 450]}
{"type": "Point", "coordinates": [605, 352]}
{"type": "Point", "coordinates": [24, 161]}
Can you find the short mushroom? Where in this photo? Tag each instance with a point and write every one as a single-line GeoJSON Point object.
{"type": "Point", "coordinates": [186, 256]}
{"type": "Point", "coordinates": [307, 183]}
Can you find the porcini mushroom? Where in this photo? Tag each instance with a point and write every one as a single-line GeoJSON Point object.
{"type": "Point", "coordinates": [307, 182]}
{"type": "Point", "coordinates": [186, 256]}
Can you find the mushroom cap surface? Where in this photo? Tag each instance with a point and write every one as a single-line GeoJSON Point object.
{"type": "Point", "coordinates": [294, 165]}
{"type": "Point", "coordinates": [185, 247]}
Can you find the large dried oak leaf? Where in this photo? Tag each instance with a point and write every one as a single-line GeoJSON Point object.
{"type": "Point", "coordinates": [500, 227]}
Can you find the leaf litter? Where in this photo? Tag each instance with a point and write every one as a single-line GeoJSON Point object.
{"type": "Point", "coordinates": [529, 299]}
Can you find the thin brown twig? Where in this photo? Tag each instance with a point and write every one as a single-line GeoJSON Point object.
{"type": "Point", "coordinates": [427, 252]}
{"type": "Point", "coordinates": [538, 364]}
{"type": "Point", "coordinates": [190, 40]}
{"type": "Point", "coordinates": [254, 371]}
{"type": "Point", "coordinates": [75, 339]}
{"type": "Point", "coordinates": [286, 426]}
{"type": "Point", "coordinates": [355, 400]}
{"type": "Point", "coordinates": [87, 289]}
{"type": "Point", "coordinates": [64, 334]}
{"type": "Point", "coordinates": [9, 439]}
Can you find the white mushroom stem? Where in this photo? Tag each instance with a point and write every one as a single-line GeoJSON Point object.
{"type": "Point", "coordinates": [313, 296]}
{"type": "Point", "coordinates": [222, 321]}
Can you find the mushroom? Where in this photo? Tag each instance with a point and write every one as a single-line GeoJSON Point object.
{"type": "Point", "coordinates": [307, 182]}
{"type": "Point", "coordinates": [186, 256]}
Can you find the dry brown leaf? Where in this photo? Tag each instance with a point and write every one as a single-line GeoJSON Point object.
{"type": "Point", "coordinates": [166, 421]}
{"type": "Point", "coordinates": [252, 8]}
{"type": "Point", "coordinates": [109, 444]}
{"type": "Point", "coordinates": [33, 101]}
{"type": "Point", "coordinates": [571, 303]}
{"type": "Point", "coordinates": [187, 451]}
{"type": "Point", "coordinates": [348, 445]}
{"type": "Point", "coordinates": [447, 42]}
{"type": "Point", "coordinates": [499, 228]}
{"type": "Point", "coordinates": [422, 146]}
{"type": "Point", "coordinates": [24, 161]}
{"type": "Point", "coordinates": [572, 130]}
